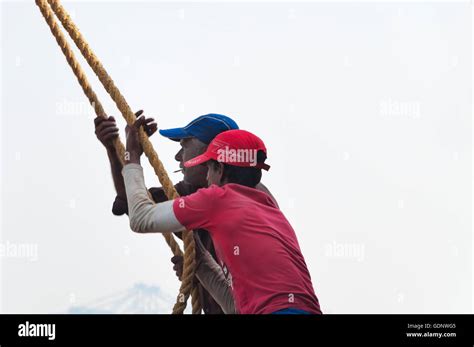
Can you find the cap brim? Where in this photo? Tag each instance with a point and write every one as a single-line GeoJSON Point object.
{"type": "Point", "coordinates": [175, 134]}
{"type": "Point", "coordinates": [197, 160]}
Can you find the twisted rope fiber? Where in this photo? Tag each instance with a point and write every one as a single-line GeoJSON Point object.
{"type": "Point", "coordinates": [189, 264]}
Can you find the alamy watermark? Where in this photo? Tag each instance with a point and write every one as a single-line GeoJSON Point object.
{"type": "Point", "coordinates": [400, 109]}
{"type": "Point", "coordinates": [345, 250]}
{"type": "Point", "coordinates": [74, 108]}
{"type": "Point", "coordinates": [19, 250]}
{"type": "Point", "coordinates": [28, 329]}
{"type": "Point", "coordinates": [231, 155]}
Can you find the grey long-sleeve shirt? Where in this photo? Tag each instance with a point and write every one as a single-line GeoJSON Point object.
{"type": "Point", "coordinates": [148, 217]}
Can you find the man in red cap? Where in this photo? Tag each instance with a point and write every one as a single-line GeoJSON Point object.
{"type": "Point", "coordinates": [261, 259]}
{"type": "Point", "coordinates": [193, 140]}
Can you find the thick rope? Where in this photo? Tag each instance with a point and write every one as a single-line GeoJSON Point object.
{"type": "Point", "coordinates": [170, 191]}
{"type": "Point", "coordinates": [81, 77]}
{"type": "Point", "coordinates": [195, 302]}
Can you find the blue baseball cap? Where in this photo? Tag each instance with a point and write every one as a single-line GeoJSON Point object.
{"type": "Point", "coordinates": [204, 128]}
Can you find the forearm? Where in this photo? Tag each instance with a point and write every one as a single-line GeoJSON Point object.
{"type": "Point", "coordinates": [145, 216]}
{"type": "Point", "coordinates": [210, 275]}
{"type": "Point", "coordinates": [116, 167]}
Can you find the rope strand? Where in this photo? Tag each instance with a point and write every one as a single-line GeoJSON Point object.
{"type": "Point", "coordinates": [55, 6]}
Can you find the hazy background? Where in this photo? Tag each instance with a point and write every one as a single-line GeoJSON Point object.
{"type": "Point", "coordinates": [365, 109]}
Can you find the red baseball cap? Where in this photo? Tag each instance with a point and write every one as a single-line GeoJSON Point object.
{"type": "Point", "coordinates": [233, 147]}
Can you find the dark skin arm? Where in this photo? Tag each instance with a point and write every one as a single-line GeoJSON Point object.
{"type": "Point", "coordinates": [107, 131]}
{"type": "Point", "coordinates": [134, 149]}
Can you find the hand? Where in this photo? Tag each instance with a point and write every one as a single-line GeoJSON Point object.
{"type": "Point", "coordinates": [150, 127]}
{"type": "Point", "coordinates": [134, 148]}
{"type": "Point", "coordinates": [106, 131]}
{"type": "Point", "coordinates": [178, 261]}
{"type": "Point", "coordinates": [201, 252]}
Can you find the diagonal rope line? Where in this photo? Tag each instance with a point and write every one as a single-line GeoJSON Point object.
{"type": "Point", "coordinates": [189, 263]}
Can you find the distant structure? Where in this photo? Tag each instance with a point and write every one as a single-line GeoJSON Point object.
{"type": "Point", "coordinates": [141, 298]}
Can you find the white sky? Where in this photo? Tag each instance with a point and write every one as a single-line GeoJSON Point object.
{"type": "Point", "coordinates": [365, 109]}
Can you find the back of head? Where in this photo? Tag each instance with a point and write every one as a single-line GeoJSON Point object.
{"type": "Point", "coordinates": [245, 176]}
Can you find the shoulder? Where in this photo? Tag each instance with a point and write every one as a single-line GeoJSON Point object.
{"type": "Point", "coordinates": [210, 192]}
{"type": "Point", "coordinates": [201, 199]}
{"type": "Point", "coordinates": [261, 187]}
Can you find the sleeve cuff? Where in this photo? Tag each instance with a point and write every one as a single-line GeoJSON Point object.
{"type": "Point", "coordinates": [131, 167]}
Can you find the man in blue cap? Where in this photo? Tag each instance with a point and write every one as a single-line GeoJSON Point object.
{"type": "Point", "coordinates": [194, 139]}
